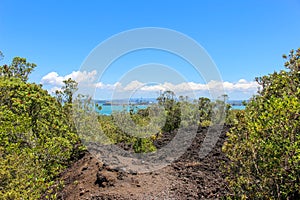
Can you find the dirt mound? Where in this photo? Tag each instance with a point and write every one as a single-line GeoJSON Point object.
{"type": "Point", "coordinates": [189, 177]}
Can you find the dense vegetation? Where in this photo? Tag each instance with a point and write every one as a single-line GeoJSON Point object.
{"type": "Point", "coordinates": [264, 146]}
{"type": "Point", "coordinates": [37, 140]}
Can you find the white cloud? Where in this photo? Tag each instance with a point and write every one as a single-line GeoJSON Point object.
{"type": "Point", "coordinates": [82, 76]}
{"type": "Point", "coordinates": [133, 85]}
{"type": "Point", "coordinates": [241, 85]}
{"type": "Point", "coordinates": [198, 86]}
{"type": "Point", "coordinates": [151, 88]}
{"type": "Point", "coordinates": [242, 81]}
{"type": "Point", "coordinates": [54, 79]}
{"type": "Point", "coordinates": [240, 89]}
{"type": "Point", "coordinates": [102, 86]}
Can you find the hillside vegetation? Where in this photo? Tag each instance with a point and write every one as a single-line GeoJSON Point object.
{"type": "Point", "coordinates": [264, 146]}
{"type": "Point", "coordinates": [37, 140]}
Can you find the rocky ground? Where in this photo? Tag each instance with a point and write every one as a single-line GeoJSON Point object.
{"type": "Point", "coordinates": [189, 177]}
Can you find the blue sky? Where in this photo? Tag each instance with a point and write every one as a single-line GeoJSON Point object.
{"type": "Point", "coordinates": [244, 38]}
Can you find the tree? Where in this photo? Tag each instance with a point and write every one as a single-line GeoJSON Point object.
{"type": "Point", "coordinates": [264, 147]}
{"type": "Point", "coordinates": [225, 97]}
{"type": "Point", "coordinates": [205, 111]}
{"type": "Point", "coordinates": [19, 68]}
{"type": "Point", "coordinates": [166, 99]}
{"type": "Point", "coordinates": [69, 90]}
{"type": "Point", "coordinates": [172, 110]}
{"type": "Point", "coordinates": [36, 143]}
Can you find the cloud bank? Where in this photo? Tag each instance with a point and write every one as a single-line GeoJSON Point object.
{"type": "Point", "coordinates": [242, 89]}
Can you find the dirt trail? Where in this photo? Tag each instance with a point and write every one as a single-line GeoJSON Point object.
{"type": "Point", "coordinates": [187, 178]}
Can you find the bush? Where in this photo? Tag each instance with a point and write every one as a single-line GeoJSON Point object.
{"type": "Point", "coordinates": [264, 147]}
{"type": "Point", "coordinates": [36, 141]}
{"type": "Point", "coordinates": [116, 135]}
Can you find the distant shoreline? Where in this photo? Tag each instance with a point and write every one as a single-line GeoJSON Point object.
{"type": "Point", "coordinates": [108, 109]}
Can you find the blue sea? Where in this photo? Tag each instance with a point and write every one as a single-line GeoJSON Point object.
{"type": "Point", "coordinates": [238, 107]}
{"type": "Point", "coordinates": [108, 109]}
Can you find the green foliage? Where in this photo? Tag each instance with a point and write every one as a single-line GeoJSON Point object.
{"type": "Point", "coordinates": [112, 131]}
{"type": "Point", "coordinates": [233, 117]}
{"type": "Point", "coordinates": [19, 68]}
{"type": "Point", "coordinates": [189, 113]}
{"type": "Point", "coordinates": [143, 145]}
{"type": "Point", "coordinates": [36, 142]}
{"type": "Point", "coordinates": [184, 113]}
{"type": "Point", "coordinates": [205, 111]}
{"type": "Point", "coordinates": [65, 95]}
{"type": "Point", "coordinates": [264, 146]}
{"type": "Point", "coordinates": [172, 111]}
{"type": "Point", "coordinates": [220, 111]}
{"type": "Point", "coordinates": [116, 135]}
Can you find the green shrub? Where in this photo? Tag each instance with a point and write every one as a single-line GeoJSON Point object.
{"type": "Point", "coordinates": [36, 141]}
{"type": "Point", "coordinates": [140, 144]}
{"type": "Point", "coordinates": [143, 145]}
{"type": "Point", "coordinates": [264, 147]}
